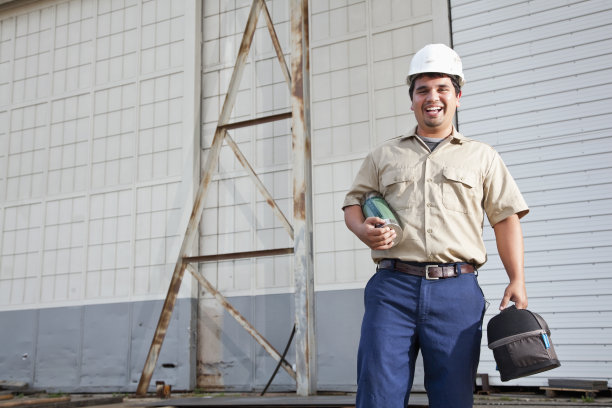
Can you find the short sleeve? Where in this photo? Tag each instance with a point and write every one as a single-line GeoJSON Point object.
{"type": "Point", "coordinates": [365, 182]}
{"type": "Point", "coordinates": [502, 197]}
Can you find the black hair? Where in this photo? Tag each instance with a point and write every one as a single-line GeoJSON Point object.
{"type": "Point", "coordinates": [453, 79]}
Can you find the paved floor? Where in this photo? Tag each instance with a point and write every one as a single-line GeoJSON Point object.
{"type": "Point", "coordinates": [416, 401]}
{"type": "Point", "coordinates": [328, 401]}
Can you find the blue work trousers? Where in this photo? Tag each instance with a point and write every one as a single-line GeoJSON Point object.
{"type": "Point", "coordinates": [405, 314]}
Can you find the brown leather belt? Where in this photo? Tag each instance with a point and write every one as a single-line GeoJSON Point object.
{"type": "Point", "coordinates": [430, 272]}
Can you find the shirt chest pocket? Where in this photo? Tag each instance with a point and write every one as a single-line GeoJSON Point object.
{"type": "Point", "coordinates": [460, 191]}
{"type": "Point", "coordinates": [398, 188]}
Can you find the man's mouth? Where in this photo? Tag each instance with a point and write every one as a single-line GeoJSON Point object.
{"type": "Point", "coordinates": [433, 109]}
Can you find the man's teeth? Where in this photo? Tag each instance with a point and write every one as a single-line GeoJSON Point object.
{"type": "Point", "coordinates": [437, 109]}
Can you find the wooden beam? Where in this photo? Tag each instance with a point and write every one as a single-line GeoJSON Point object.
{"type": "Point", "coordinates": [238, 255]}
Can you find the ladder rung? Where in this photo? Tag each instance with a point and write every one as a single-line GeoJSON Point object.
{"type": "Point", "coordinates": [238, 255]}
{"type": "Point", "coordinates": [257, 121]}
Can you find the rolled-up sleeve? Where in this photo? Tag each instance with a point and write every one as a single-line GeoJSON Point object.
{"type": "Point", "coordinates": [502, 197]}
{"type": "Point", "coordinates": [366, 181]}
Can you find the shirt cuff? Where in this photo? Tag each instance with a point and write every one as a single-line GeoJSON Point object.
{"type": "Point", "coordinates": [520, 211]}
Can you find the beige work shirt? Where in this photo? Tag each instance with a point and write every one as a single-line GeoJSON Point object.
{"type": "Point", "coordinates": [440, 197]}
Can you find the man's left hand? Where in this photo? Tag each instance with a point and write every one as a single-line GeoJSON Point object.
{"type": "Point", "coordinates": [516, 293]}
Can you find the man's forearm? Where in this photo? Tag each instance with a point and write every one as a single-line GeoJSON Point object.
{"type": "Point", "coordinates": [509, 238]}
{"type": "Point", "coordinates": [353, 217]}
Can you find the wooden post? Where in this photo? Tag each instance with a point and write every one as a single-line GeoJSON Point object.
{"type": "Point", "coordinates": [302, 202]}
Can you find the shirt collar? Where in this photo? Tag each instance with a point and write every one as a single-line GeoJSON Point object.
{"type": "Point", "coordinates": [455, 137]}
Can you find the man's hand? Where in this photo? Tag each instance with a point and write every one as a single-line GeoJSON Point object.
{"type": "Point", "coordinates": [365, 229]}
{"type": "Point", "coordinates": [516, 293]}
{"type": "Point", "coordinates": [377, 238]}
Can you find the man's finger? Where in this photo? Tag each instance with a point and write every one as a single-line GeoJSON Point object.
{"type": "Point", "coordinates": [504, 301]}
{"type": "Point", "coordinates": [385, 241]}
{"type": "Point", "coordinates": [388, 235]}
{"type": "Point", "coordinates": [375, 234]}
{"type": "Point", "coordinates": [384, 245]}
{"type": "Point", "coordinates": [374, 221]}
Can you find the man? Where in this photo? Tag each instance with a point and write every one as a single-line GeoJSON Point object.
{"type": "Point", "coordinates": [425, 295]}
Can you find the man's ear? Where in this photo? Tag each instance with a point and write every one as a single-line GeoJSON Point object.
{"type": "Point", "coordinates": [459, 99]}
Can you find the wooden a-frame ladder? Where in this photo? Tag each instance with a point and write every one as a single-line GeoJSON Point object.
{"type": "Point", "coordinates": [301, 231]}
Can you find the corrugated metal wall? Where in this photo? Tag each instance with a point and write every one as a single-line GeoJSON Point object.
{"type": "Point", "coordinates": [92, 183]}
{"type": "Point", "coordinates": [96, 176]}
{"type": "Point", "coordinates": [538, 89]}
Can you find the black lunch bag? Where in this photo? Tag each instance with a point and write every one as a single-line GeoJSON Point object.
{"type": "Point", "coordinates": [521, 344]}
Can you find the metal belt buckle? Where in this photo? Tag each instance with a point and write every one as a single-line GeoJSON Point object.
{"type": "Point", "coordinates": [427, 272]}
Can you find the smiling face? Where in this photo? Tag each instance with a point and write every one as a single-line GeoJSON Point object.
{"type": "Point", "coordinates": [434, 103]}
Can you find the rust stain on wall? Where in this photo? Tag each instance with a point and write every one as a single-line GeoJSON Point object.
{"type": "Point", "coordinates": [209, 348]}
{"type": "Point", "coordinates": [299, 202]}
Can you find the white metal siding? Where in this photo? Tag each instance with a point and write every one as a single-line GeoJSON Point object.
{"type": "Point", "coordinates": [95, 162]}
{"type": "Point", "coordinates": [538, 89]}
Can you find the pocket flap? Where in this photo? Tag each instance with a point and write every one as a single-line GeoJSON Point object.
{"type": "Point", "coordinates": [463, 176]}
{"type": "Point", "coordinates": [397, 176]}
{"type": "Point", "coordinates": [515, 337]}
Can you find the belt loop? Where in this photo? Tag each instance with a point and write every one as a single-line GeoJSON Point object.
{"type": "Point", "coordinates": [458, 269]}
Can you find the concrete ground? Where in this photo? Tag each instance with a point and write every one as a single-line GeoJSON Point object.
{"type": "Point", "coordinates": [418, 400]}
{"type": "Point", "coordinates": [513, 400]}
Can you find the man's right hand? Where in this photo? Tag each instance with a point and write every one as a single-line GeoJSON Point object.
{"type": "Point", "coordinates": [377, 238]}
{"type": "Point", "coordinates": [365, 229]}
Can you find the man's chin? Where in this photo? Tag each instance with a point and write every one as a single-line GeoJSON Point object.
{"type": "Point", "coordinates": [434, 124]}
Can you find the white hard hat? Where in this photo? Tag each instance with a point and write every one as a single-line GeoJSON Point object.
{"type": "Point", "coordinates": [436, 58]}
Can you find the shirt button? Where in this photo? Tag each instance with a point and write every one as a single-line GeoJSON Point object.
{"type": "Point", "coordinates": [430, 230]}
{"type": "Point", "coordinates": [429, 180]}
{"type": "Point", "coordinates": [429, 204]}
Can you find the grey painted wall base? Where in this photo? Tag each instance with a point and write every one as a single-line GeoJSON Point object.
{"type": "Point", "coordinates": [102, 348]}
{"type": "Point", "coordinates": [237, 363]}
{"type": "Point", "coordinates": [231, 360]}
{"type": "Point", "coordinates": [96, 348]}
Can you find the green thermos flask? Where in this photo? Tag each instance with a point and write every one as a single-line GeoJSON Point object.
{"type": "Point", "coordinates": [374, 205]}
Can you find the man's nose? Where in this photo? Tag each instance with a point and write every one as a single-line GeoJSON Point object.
{"type": "Point", "coordinates": [433, 96]}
